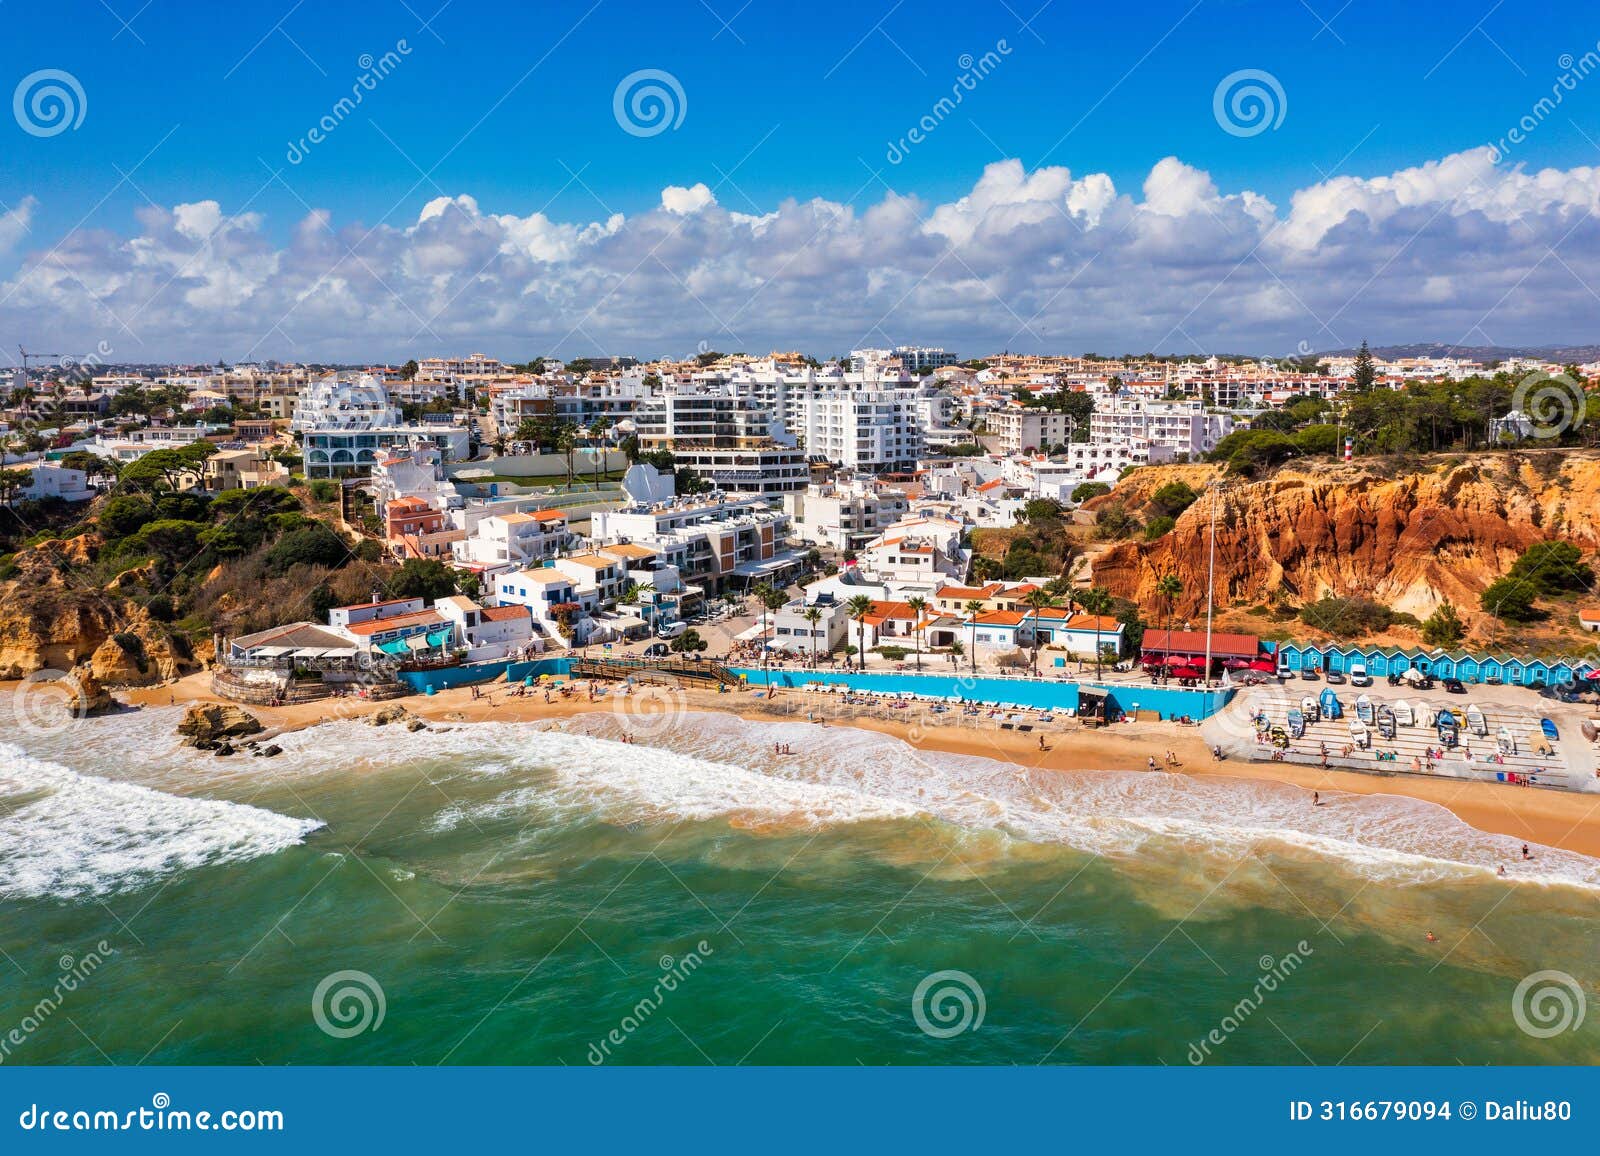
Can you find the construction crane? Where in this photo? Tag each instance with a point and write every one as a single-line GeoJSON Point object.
{"type": "Point", "coordinates": [27, 357]}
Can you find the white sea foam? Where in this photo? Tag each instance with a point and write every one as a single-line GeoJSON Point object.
{"type": "Point", "coordinates": [1385, 837]}
{"type": "Point", "coordinates": [67, 835]}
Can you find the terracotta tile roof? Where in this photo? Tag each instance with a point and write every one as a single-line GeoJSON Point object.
{"type": "Point", "coordinates": [397, 622]}
{"type": "Point", "coordinates": [999, 618]}
{"type": "Point", "coordinates": [505, 613]}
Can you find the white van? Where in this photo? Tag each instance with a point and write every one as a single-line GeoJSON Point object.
{"type": "Point", "coordinates": [1359, 675]}
{"type": "Point", "coordinates": [672, 630]}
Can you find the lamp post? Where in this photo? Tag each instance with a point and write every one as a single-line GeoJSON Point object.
{"type": "Point", "coordinates": [1211, 577]}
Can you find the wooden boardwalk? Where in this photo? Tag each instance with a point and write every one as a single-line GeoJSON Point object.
{"type": "Point", "coordinates": [676, 671]}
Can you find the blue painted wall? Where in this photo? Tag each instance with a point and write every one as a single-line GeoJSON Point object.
{"type": "Point", "coordinates": [1045, 695]}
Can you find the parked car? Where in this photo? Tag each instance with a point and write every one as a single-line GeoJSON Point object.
{"type": "Point", "coordinates": [657, 650]}
{"type": "Point", "coordinates": [671, 630]}
{"type": "Point", "coordinates": [1309, 673]}
{"type": "Point", "coordinates": [1335, 677]}
{"type": "Point", "coordinates": [1454, 686]}
{"type": "Point", "coordinates": [1494, 680]}
{"type": "Point", "coordinates": [1359, 675]}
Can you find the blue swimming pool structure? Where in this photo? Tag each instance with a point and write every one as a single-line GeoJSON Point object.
{"type": "Point", "coordinates": [1040, 694]}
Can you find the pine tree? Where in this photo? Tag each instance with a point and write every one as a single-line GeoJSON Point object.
{"type": "Point", "coordinates": [1366, 373]}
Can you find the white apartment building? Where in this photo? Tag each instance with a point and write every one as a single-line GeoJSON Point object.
{"type": "Point", "coordinates": [473, 367]}
{"type": "Point", "coordinates": [714, 540]}
{"type": "Point", "coordinates": [870, 431]}
{"type": "Point", "coordinates": [1182, 426]}
{"type": "Point", "coordinates": [502, 542]}
{"type": "Point", "coordinates": [916, 555]}
{"type": "Point", "coordinates": [336, 403]}
{"type": "Point", "coordinates": [845, 515]}
{"type": "Point", "coordinates": [1023, 428]}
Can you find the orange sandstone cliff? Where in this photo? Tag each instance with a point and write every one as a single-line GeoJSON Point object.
{"type": "Point", "coordinates": [1410, 539]}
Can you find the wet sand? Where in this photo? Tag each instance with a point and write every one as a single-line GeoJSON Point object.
{"type": "Point", "coordinates": [1554, 818]}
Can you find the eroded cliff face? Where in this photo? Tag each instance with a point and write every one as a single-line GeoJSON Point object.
{"type": "Point", "coordinates": [1410, 540]}
{"type": "Point", "coordinates": [52, 617]}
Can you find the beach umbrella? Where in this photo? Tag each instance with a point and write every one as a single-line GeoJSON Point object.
{"type": "Point", "coordinates": [1263, 666]}
{"type": "Point", "coordinates": [1593, 676]}
{"type": "Point", "coordinates": [1175, 660]}
{"type": "Point", "coordinates": [1412, 674]}
{"type": "Point", "coordinates": [1236, 664]}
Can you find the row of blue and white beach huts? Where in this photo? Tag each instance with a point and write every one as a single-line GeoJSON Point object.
{"type": "Point", "coordinates": [1381, 662]}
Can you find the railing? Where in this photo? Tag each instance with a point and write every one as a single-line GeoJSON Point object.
{"type": "Point", "coordinates": [679, 669]}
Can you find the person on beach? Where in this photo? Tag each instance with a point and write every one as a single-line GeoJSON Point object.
{"type": "Point", "coordinates": [1432, 938]}
{"type": "Point", "coordinates": [1150, 763]}
{"type": "Point", "coordinates": [1526, 854]}
{"type": "Point", "coordinates": [1042, 747]}
{"type": "Point", "coordinates": [1316, 799]}
{"type": "Point", "coordinates": [1500, 870]}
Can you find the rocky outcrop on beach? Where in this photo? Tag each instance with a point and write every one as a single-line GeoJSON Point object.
{"type": "Point", "coordinates": [393, 713]}
{"type": "Point", "coordinates": [207, 725]}
{"type": "Point", "coordinates": [53, 618]}
{"type": "Point", "coordinates": [1409, 538]}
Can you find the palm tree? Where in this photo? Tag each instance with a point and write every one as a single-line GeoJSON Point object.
{"type": "Point", "coordinates": [812, 615]}
{"type": "Point", "coordinates": [1170, 588]}
{"type": "Point", "coordinates": [1096, 601]}
{"type": "Point", "coordinates": [761, 590]}
{"type": "Point", "coordinates": [974, 607]}
{"type": "Point", "coordinates": [919, 606]}
{"type": "Point", "coordinates": [771, 599]}
{"type": "Point", "coordinates": [956, 651]}
{"type": "Point", "coordinates": [1037, 600]}
{"type": "Point", "coordinates": [858, 608]}
{"type": "Point", "coordinates": [567, 443]}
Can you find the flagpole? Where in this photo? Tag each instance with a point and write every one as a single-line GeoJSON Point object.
{"type": "Point", "coordinates": [1211, 578]}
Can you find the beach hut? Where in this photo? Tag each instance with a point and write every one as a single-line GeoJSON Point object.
{"type": "Point", "coordinates": [1449, 731]}
{"type": "Point", "coordinates": [1297, 723]}
{"type": "Point", "coordinates": [1377, 660]}
{"type": "Point", "coordinates": [1403, 714]}
{"type": "Point", "coordinates": [1476, 722]}
{"type": "Point", "coordinates": [1562, 674]}
{"type": "Point", "coordinates": [1515, 671]}
{"type": "Point", "coordinates": [1328, 703]}
{"type": "Point", "coordinates": [1468, 668]}
{"type": "Point", "coordinates": [1538, 672]}
{"type": "Point", "coordinates": [1386, 721]}
{"type": "Point", "coordinates": [1364, 709]}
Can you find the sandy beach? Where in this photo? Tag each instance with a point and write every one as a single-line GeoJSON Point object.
{"type": "Point", "coordinates": [1553, 818]}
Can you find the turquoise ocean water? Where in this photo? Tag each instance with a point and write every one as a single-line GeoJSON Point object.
{"type": "Point", "coordinates": [514, 893]}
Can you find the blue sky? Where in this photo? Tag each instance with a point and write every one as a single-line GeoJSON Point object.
{"type": "Point", "coordinates": [512, 105]}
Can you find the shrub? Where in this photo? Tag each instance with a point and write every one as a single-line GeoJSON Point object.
{"type": "Point", "coordinates": [311, 545]}
{"type": "Point", "coordinates": [1156, 527]}
{"type": "Point", "coordinates": [1348, 617]}
{"type": "Point", "coordinates": [1087, 490]}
